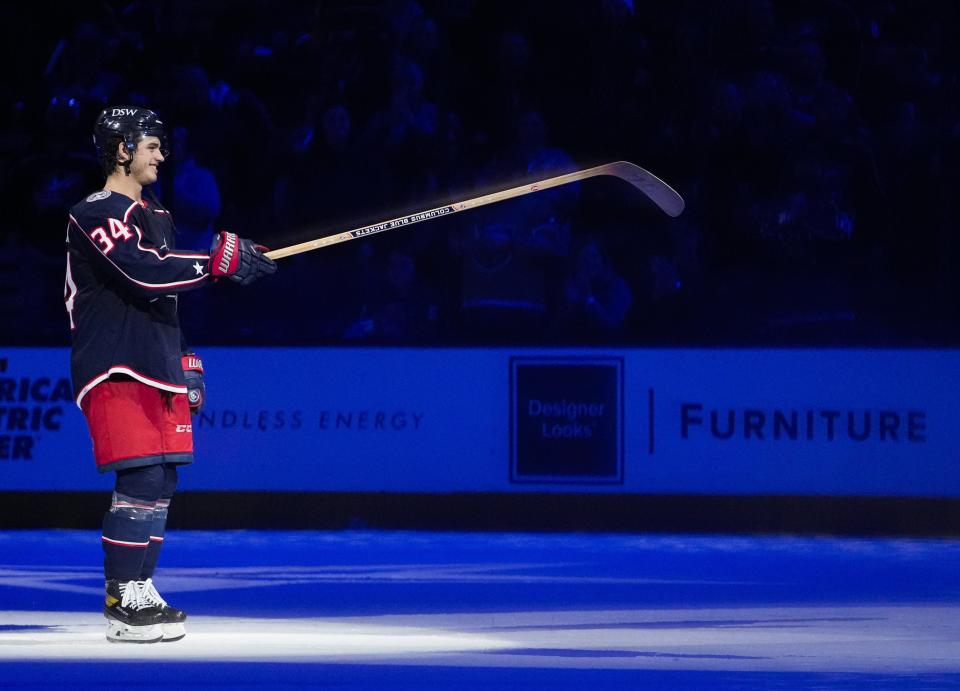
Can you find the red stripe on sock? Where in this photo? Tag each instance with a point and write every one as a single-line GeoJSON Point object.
{"type": "Point", "coordinates": [121, 543]}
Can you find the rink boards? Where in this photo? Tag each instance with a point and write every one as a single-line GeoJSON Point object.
{"type": "Point", "coordinates": [800, 422]}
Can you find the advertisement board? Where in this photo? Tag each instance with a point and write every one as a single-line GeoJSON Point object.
{"type": "Point", "coordinates": [766, 422]}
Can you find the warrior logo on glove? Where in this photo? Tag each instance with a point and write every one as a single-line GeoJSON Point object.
{"type": "Point", "coordinates": [193, 374]}
{"type": "Point", "coordinates": [228, 256]}
{"type": "Point", "coordinates": [239, 259]}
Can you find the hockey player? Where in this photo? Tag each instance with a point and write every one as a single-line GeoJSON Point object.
{"type": "Point", "coordinates": [133, 378]}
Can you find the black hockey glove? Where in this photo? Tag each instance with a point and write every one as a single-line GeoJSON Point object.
{"type": "Point", "coordinates": [239, 259]}
{"type": "Point", "coordinates": [193, 373]}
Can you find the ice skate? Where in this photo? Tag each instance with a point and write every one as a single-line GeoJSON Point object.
{"type": "Point", "coordinates": [172, 619]}
{"type": "Point", "coordinates": [131, 617]}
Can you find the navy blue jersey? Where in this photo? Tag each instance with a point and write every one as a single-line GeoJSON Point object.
{"type": "Point", "coordinates": [121, 292]}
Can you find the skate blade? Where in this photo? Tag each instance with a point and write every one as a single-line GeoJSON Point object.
{"type": "Point", "coordinates": [118, 632]}
{"type": "Point", "coordinates": [173, 632]}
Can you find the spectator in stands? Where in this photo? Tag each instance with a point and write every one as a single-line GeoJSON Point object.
{"type": "Point", "coordinates": [596, 299]}
{"type": "Point", "coordinates": [330, 112]}
{"type": "Point", "coordinates": [196, 195]}
{"type": "Point", "coordinates": [402, 310]}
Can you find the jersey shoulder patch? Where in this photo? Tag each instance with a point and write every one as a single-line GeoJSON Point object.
{"type": "Point", "coordinates": [99, 206]}
{"type": "Point", "coordinates": [97, 196]}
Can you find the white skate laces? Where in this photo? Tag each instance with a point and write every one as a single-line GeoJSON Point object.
{"type": "Point", "coordinates": [133, 596]}
{"type": "Point", "coordinates": [172, 619]}
{"type": "Point", "coordinates": [149, 592]}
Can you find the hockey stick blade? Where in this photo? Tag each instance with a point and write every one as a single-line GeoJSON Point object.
{"type": "Point", "coordinates": [659, 192]}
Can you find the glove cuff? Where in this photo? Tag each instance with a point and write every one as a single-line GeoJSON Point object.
{"type": "Point", "coordinates": [192, 362]}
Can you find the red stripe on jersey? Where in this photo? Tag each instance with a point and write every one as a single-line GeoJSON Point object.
{"type": "Point", "coordinates": [183, 255]}
{"type": "Point", "coordinates": [126, 214]}
{"type": "Point", "coordinates": [69, 293]}
{"type": "Point", "coordinates": [123, 369]}
{"type": "Point", "coordinates": [180, 255]}
{"type": "Point", "coordinates": [151, 286]}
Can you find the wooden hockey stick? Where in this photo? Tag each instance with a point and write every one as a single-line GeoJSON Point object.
{"type": "Point", "coordinates": [656, 189]}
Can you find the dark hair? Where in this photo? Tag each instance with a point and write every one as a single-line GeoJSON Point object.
{"type": "Point", "coordinates": [109, 160]}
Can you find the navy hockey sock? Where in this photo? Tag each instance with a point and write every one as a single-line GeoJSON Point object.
{"type": "Point", "coordinates": [126, 534]}
{"type": "Point", "coordinates": [168, 485]}
{"type": "Point", "coordinates": [157, 528]}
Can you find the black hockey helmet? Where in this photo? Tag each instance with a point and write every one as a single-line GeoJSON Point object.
{"type": "Point", "coordinates": [128, 124]}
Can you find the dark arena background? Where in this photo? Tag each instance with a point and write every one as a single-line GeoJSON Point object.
{"type": "Point", "coordinates": [559, 441]}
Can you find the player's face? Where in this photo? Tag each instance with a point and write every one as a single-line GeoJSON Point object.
{"type": "Point", "coordinates": [146, 159]}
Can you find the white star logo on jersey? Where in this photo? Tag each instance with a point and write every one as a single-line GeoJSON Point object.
{"type": "Point", "coordinates": [199, 268]}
